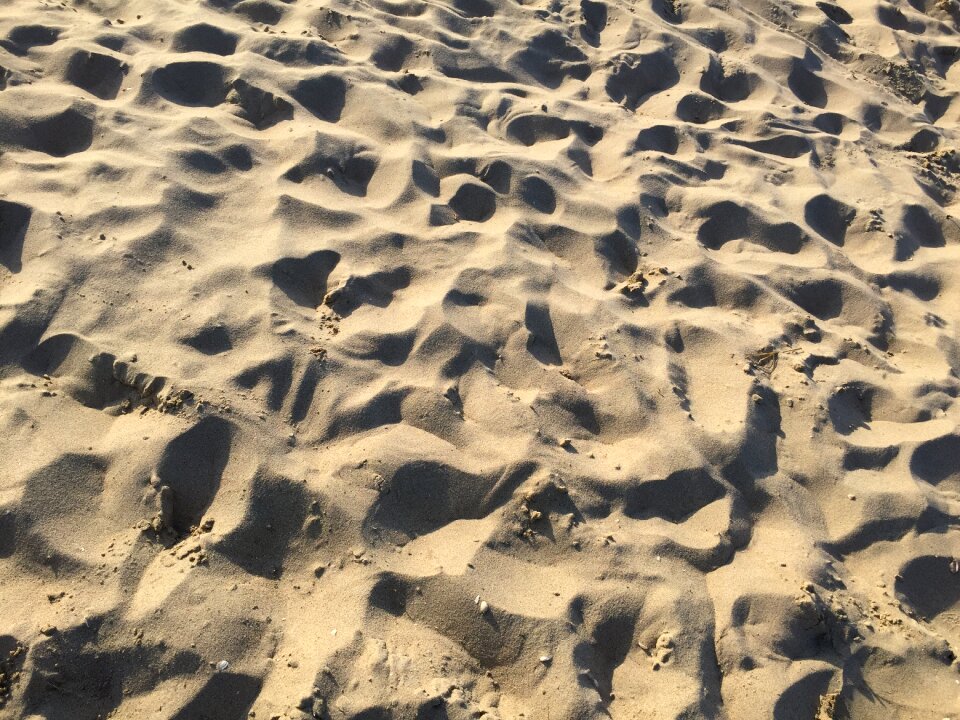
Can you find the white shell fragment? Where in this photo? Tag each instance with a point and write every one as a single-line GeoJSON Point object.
{"type": "Point", "coordinates": [223, 666]}
{"type": "Point", "coordinates": [546, 659]}
{"type": "Point", "coordinates": [484, 606]}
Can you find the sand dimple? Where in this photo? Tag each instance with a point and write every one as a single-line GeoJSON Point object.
{"type": "Point", "coordinates": [478, 358]}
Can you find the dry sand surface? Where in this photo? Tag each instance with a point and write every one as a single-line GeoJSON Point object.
{"type": "Point", "coordinates": [558, 359]}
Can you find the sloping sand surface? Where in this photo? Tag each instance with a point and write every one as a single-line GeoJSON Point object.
{"type": "Point", "coordinates": [395, 359]}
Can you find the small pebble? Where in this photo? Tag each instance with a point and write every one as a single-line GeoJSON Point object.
{"type": "Point", "coordinates": [484, 606]}
{"type": "Point", "coordinates": [223, 666]}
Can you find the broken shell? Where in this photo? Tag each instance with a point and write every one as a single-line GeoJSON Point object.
{"type": "Point", "coordinates": [223, 666]}
{"type": "Point", "coordinates": [546, 659]}
{"type": "Point", "coordinates": [955, 566]}
{"type": "Point", "coordinates": [484, 606]}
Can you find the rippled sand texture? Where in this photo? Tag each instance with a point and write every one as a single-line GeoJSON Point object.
{"type": "Point", "coordinates": [479, 359]}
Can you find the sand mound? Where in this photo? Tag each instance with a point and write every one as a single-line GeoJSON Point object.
{"type": "Point", "coordinates": [479, 359]}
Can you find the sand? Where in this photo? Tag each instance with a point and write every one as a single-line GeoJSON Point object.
{"type": "Point", "coordinates": [398, 359]}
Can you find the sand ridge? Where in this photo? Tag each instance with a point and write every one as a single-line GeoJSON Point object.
{"type": "Point", "coordinates": [479, 359]}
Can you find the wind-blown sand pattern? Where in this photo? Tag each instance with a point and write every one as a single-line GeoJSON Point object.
{"type": "Point", "coordinates": [479, 359]}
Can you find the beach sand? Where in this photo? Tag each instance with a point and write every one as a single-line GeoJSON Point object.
{"type": "Point", "coordinates": [399, 359]}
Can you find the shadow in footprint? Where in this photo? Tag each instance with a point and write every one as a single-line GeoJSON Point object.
{"type": "Point", "coordinates": [226, 696]}
{"type": "Point", "coordinates": [727, 221]}
{"type": "Point", "coordinates": [918, 228]}
{"type": "Point", "coordinates": [14, 221]}
{"type": "Point", "coordinates": [427, 495]}
{"type": "Point", "coordinates": [928, 585]}
{"type": "Point", "coordinates": [728, 85]}
{"type": "Point", "coordinates": [542, 342]}
{"type": "Point", "coordinates": [203, 37]}
{"type": "Point", "coordinates": [261, 11]}
{"type": "Point", "coordinates": [375, 289]}
{"type": "Point", "coordinates": [538, 194]}
{"type": "Point", "coordinates": [11, 663]}
{"type": "Point", "coordinates": [634, 78]}
{"type": "Point", "coordinates": [211, 340]}
{"type": "Point", "coordinates": [277, 374]}
{"type": "Point", "coordinates": [660, 138]}
{"type": "Point", "coordinates": [275, 513]}
{"type": "Point", "coordinates": [474, 202]}
{"type": "Point", "coordinates": [475, 8]}
{"type": "Point", "coordinates": [304, 280]}
{"type": "Point", "coordinates": [835, 13]}
{"type": "Point", "coordinates": [674, 498]}
{"type": "Point", "coordinates": [807, 86]}
{"type": "Point", "coordinates": [801, 700]}
{"type": "Point", "coordinates": [192, 466]}
{"type": "Point", "coordinates": [551, 58]}
{"type": "Point", "coordinates": [821, 298]}
{"type": "Point", "coordinates": [829, 217]}
{"type": "Point", "coordinates": [323, 96]}
{"type": "Point", "coordinates": [535, 128]}
{"type": "Point", "coordinates": [594, 20]}
{"type": "Point", "coordinates": [22, 38]}
{"type": "Point", "coordinates": [391, 52]}
{"type": "Point", "coordinates": [196, 84]}
{"type": "Point", "coordinates": [935, 462]}
{"type": "Point", "coordinates": [851, 407]}
{"type": "Point", "coordinates": [98, 74]}
{"type": "Point", "coordinates": [260, 108]}
{"type": "Point", "coordinates": [699, 109]}
{"type": "Point", "coordinates": [61, 134]}
{"type": "Point", "coordinates": [497, 175]}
